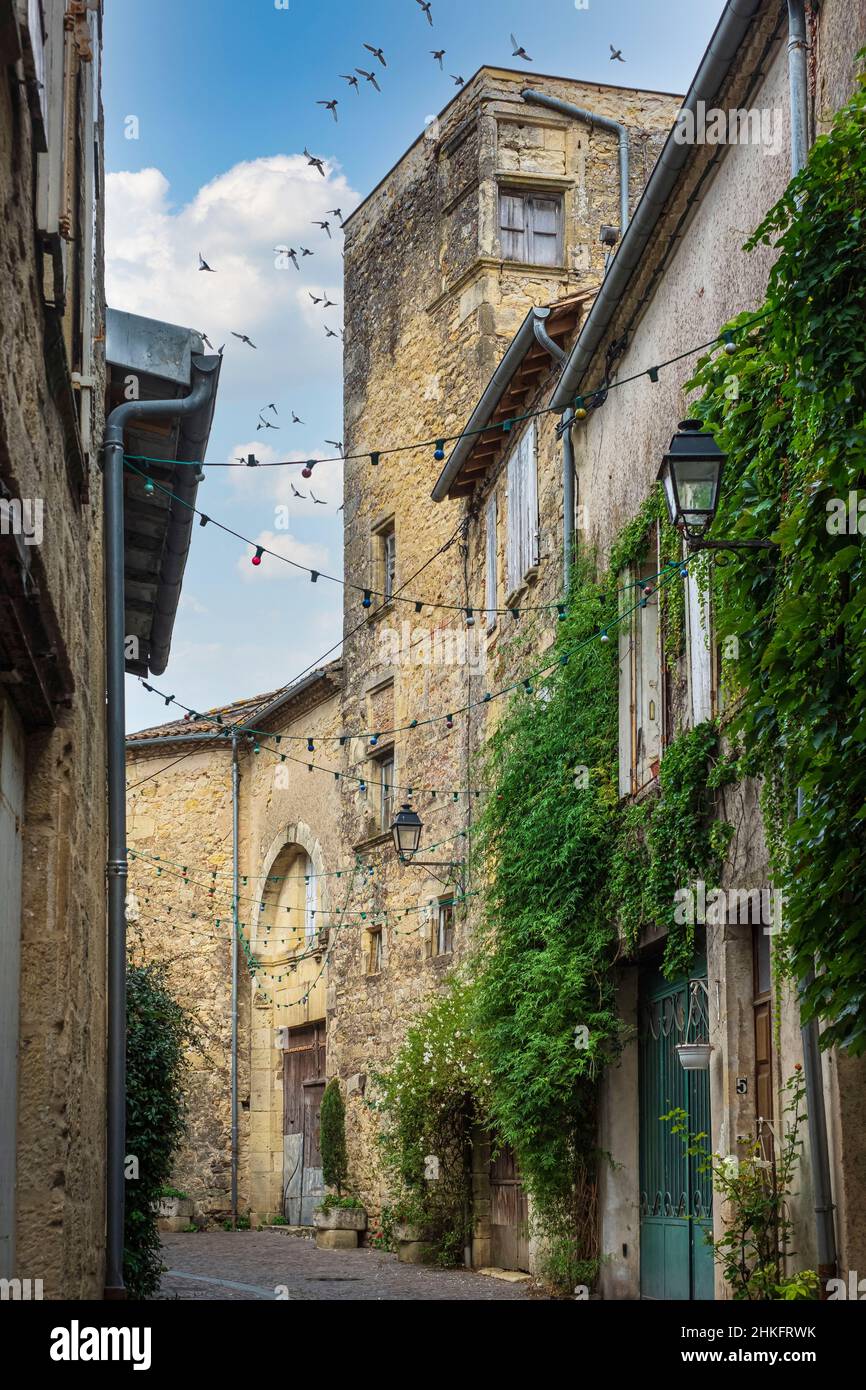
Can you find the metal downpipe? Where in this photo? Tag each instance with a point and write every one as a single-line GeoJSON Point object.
{"type": "Point", "coordinates": [591, 118]}
{"type": "Point", "coordinates": [117, 866]}
{"type": "Point", "coordinates": [235, 934]}
{"type": "Point", "coordinates": [813, 1072]}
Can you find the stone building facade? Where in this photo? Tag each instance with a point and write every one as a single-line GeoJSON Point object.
{"type": "Point", "coordinates": [290, 903]}
{"type": "Point", "coordinates": [52, 691]}
{"type": "Point", "coordinates": [692, 276]}
{"type": "Point", "coordinates": [498, 207]}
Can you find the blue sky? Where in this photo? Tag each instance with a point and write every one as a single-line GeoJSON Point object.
{"type": "Point", "coordinates": [223, 94]}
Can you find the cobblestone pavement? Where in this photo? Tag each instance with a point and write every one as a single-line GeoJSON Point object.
{"type": "Point", "coordinates": [255, 1264]}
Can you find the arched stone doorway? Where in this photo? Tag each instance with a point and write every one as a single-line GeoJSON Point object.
{"type": "Point", "coordinates": [287, 1060]}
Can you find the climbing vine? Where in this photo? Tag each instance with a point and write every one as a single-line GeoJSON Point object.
{"type": "Point", "coordinates": [794, 430]}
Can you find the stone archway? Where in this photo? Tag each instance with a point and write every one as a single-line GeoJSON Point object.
{"type": "Point", "coordinates": [289, 941]}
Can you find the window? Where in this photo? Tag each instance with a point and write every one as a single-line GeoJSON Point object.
{"type": "Point", "coordinates": [640, 679]}
{"type": "Point", "coordinates": [530, 227]}
{"type": "Point", "coordinates": [385, 558]}
{"type": "Point", "coordinates": [309, 904]}
{"type": "Point", "coordinates": [443, 930]}
{"type": "Point", "coordinates": [492, 576]}
{"type": "Point", "coordinates": [375, 951]}
{"type": "Point", "coordinates": [385, 777]}
{"type": "Point", "coordinates": [522, 510]}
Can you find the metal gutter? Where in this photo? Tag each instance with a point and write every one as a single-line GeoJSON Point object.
{"type": "Point", "coordinates": [203, 388]}
{"type": "Point", "coordinates": [493, 394]}
{"type": "Point", "coordinates": [730, 32]}
{"type": "Point", "coordinates": [591, 118]}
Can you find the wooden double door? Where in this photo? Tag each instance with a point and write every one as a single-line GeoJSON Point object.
{"type": "Point", "coordinates": [303, 1088]}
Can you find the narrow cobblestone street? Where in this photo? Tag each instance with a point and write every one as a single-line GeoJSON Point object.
{"type": "Point", "coordinates": [242, 1265]}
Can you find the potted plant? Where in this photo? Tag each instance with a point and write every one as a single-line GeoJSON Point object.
{"type": "Point", "coordinates": [338, 1218]}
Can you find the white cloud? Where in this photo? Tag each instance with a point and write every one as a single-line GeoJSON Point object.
{"type": "Point", "coordinates": [235, 221]}
{"type": "Point", "coordinates": [285, 544]}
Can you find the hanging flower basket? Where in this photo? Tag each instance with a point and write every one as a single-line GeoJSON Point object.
{"type": "Point", "coordinates": [694, 1056]}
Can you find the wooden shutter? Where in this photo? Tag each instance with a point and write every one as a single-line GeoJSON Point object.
{"type": "Point", "coordinates": [626, 686]}
{"type": "Point", "coordinates": [491, 576]}
{"type": "Point", "coordinates": [649, 691]}
{"type": "Point", "coordinates": [309, 903]}
{"type": "Point", "coordinates": [512, 227]}
{"type": "Point", "coordinates": [543, 219]}
{"type": "Point", "coordinates": [513, 520]}
{"type": "Point", "coordinates": [530, 500]}
{"type": "Point", "coordinates": [49, 166]}
{"type": "Point", "coordinates": [700, 664]}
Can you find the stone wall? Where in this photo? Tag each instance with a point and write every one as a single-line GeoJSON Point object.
{"type": "Point", "coordinates": [430, 308]}
{"type": "Point", "coordinates": [180, 835]}
{"type": "Point", "coordinates": [61, 1072]}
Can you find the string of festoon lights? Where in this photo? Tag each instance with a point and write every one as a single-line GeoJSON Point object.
{"type": "Point", "coordinates": [368, 865]}
{"type": "Point", "coordinates": [647, 586]}
{"type": "Point", "coordinates": [258, 903]}
{"type": "Point", "coordinates": [581, 406]}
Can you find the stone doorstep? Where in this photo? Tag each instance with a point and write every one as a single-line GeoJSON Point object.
{"type": "Point", "coordinates": [510, 1276]}
{"type": "Point", "coordinates": [337, 1240]}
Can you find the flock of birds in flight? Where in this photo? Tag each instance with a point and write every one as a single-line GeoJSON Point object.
{"type": "Point", "coordinates": [313, 161]}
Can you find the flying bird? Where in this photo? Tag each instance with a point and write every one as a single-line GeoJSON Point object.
{"type": "Point", "coordinates": [329, 303]}
{"type": "Point", "coordinates": [371, 77]}
{"type": "Point", "coordinates": [329, 332]}
{"type": "Point", "coordinates": [314, 299]}
{"type": "Point", "coordinates": [352, 81]}
{"type": "Point", "coordinates": [268, 426]}
{"type": "Point", "coordinates": [296, 493]}
{"type": "Point", "coordinates": [292, 255]}
{"type": "Point", "coordinates": [458, 81]}
{"type": "Point", "coordinates": [616, 53]}
{"type": "Point", "coordinates": [243, 337]}
{"type": "Point", "coordinates": [272, 407]}
{"type": "Point", "coordinates": [519, 50]}
{"type": "Point", "coordinates": [296, 419]}
{"type": "Point", "coordinates": [377, 53]}
{"type": "Point", "coordinates": [332, 107]}
{"type": "Point", "coordinates": [335, 212]}
{"type": "Point", "coordinates": [337, 443]}
{"type": "Point", "coordinates": [206, 340]}
{"type": "Point", "coordinates": [305, 252]}
{"type": "Point", "coordinates": [325, 226]}
{"type": "Point", "coordinates": [318, 501]}
{"type": "Point", "coordinates": [203, 265]}
{"type": "Point", "coordinates": [438, 54]}
{"type": "Point", "coordinates": [312, 159]}
{"type": "Point", "coordinates": [425, 6]}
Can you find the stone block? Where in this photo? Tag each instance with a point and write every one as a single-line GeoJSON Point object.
{"type": "Point", "coordinates": [337, 1240]}
{"type": "Point", "coordinates": [416, 1252]}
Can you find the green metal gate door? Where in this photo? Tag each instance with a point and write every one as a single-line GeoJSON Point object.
{"type": "Point", "coordinates": [675, 1199]}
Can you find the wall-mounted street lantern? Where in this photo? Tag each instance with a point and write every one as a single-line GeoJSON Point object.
{"type": "Point", "coordinates": [406, 829]}
{"type": "Point", "coordinates": [691, 475]}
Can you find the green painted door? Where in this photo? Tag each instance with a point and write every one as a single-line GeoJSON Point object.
{"type": "Point", "coordinates": [675, 1199]}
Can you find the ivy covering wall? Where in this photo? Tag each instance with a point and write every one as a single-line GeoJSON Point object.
{"type": "Point", "coordinates": [796, 472]}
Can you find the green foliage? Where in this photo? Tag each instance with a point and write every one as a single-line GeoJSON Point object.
{"type": "Point", "coordinates": [330, 1202]}
{"type": "Point", "coordinates": [158, 1033]}
{"type": "Point", "coordinates": [428, 1098]}
{"type": "Point", "coordinates": [332, 1137]}
{"type": "Point", "coordinates": [546, 839]}
{"type": "Point", "coordinates": [756, 1189]}
{"type": "Point", "coordinates": [796, 445]}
